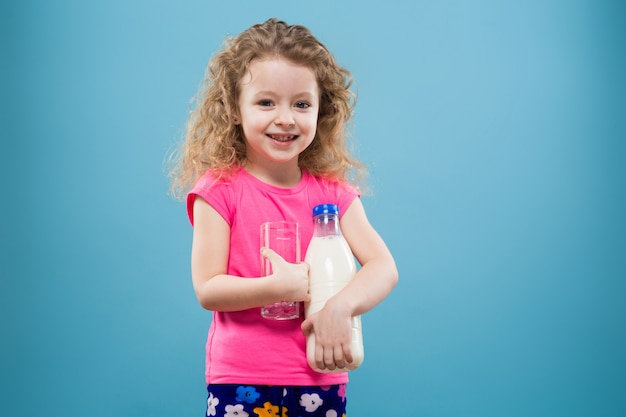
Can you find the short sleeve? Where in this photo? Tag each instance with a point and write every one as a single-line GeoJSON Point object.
{"type": "Point", "coordinates": [217, 193]}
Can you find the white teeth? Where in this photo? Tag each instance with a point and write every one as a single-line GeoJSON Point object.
{"type": "Point", "coordinates": [282, 138]}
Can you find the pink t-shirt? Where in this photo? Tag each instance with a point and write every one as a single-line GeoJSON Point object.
{"type": "Point", "coordinates": [242, 346]}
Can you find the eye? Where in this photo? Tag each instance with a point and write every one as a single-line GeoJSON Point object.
{"type": "Point", "coordinates": [265, 103]}
{"type": "Point", "coordinates": [302, 105]}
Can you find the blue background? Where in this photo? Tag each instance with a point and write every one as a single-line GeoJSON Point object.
{"type": "Point", "coordinates": [495, 135]}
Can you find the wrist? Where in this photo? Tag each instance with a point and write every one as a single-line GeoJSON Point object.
{"type": "Point", "coordinates": [272, 288]}
{"type": "Point", "coordinates": [340, 306]}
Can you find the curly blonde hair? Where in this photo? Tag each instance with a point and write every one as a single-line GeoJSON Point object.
{"type": "Point", "coordinates": [215, 142]}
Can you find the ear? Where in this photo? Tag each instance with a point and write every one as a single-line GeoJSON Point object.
{"type": "Point", "coordinates": [236, 119]}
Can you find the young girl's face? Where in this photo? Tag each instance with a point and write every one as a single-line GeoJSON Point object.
{"type": "Point", "coordinates": [278, 107]}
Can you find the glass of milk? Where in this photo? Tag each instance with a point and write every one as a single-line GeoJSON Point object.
{"type": "Point", "coordinates": [284, 238]}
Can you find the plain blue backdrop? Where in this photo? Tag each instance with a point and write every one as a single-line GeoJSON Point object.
{"type": "Point", "coordinates": [495, 136]}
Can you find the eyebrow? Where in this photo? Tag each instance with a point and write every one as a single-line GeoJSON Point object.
{"type": "Point", "coordinates": [306, 94]}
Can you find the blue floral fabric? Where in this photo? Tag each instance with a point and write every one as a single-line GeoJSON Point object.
{"type": "Point", "coordinates": [226, 400]}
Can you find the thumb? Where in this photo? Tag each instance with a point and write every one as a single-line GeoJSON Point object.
{"type": "Point", "coordinates": [269, 254]}
{"type": "Point", "coordinates": [307, 327]}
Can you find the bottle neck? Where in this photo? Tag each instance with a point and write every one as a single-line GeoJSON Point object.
{"type": "Point", "coordinates": [326, 224]}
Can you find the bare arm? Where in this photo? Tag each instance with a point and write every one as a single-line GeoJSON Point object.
{"type": "Point", "coordinates": [218, 291]}
{"type": "Point", "coordinates": [378, 274]}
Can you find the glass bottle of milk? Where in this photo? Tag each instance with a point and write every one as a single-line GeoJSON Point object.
{"type": "Point", "coordinates": [332, 266]}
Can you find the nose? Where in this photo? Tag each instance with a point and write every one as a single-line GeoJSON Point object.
{"type": "Point", "coordinates": [284, 117]}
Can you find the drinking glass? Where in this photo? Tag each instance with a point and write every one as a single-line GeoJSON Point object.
{"type": "Point", "coordinates": [284, 238]}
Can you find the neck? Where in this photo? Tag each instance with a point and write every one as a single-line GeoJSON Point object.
{"type": "Point", "coordinates": [279, 176]}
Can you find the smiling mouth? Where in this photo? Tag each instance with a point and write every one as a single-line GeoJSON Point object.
{"type": "Point", "coordinates": [282, 138]}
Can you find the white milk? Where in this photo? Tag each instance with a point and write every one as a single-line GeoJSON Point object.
{"type": "Point", "coordinates": [332, 266]}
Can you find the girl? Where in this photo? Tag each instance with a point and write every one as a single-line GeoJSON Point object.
{"type": "Point", "coordinates": [267, 142]}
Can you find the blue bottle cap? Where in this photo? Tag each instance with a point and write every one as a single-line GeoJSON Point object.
{"type": "Point", "coordinates": [326, 208]}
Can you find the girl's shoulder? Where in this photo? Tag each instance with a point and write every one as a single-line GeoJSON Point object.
{"type": "Point", "coordinates": [216, 188]}
{"type": "Point", "coordinates": [211, 182]}
{"type": "Point", "coordinates": [340, 184]}
{"type": "Point", "coordinates": [212, 177]}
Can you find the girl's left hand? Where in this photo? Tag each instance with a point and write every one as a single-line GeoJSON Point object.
{"type": "Point", "coordinates": [332, 329]}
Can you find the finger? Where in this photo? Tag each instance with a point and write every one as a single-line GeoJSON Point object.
{"type": "Point", "coordinates": [319, 357]}
{"type": "Point", "coordinates": [347, 353]}
{"type": "Point", "coordinates": [307, 327]}
{"type": "Point", "coordinates": [329, 358]}
{"type": "Point", "coordinates": [268, 253]}
{"type": "Point", "coordinates": [339, 357]}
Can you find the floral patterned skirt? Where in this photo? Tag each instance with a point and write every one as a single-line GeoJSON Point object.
{"type": "Point", "coordinates": [275, 401]}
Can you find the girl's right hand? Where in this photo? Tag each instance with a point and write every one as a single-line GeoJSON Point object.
{"type": "Point", "coordinates": [291, 280]}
